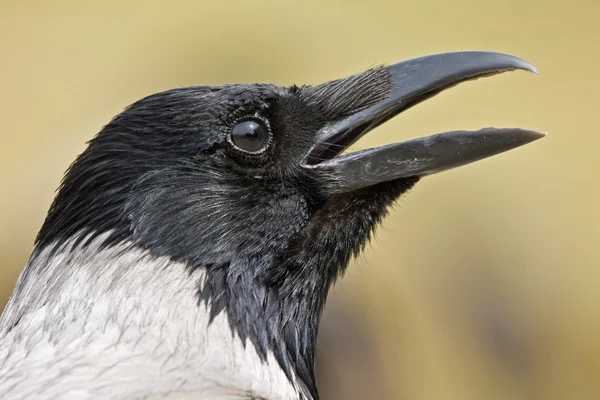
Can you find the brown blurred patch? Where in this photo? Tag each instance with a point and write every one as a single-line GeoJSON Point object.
{"type": "Point", "coordinates": [348, 364]}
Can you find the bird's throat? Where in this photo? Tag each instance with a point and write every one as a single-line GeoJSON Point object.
{"type": "Point", "coordinates": [248, 322]}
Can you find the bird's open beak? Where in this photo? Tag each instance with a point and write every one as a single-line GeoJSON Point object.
{"type": "Point", "coordinates": [414, 81]}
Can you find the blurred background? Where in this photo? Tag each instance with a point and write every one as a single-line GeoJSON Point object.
{"type": "Point", "coordinates": [484, 283]}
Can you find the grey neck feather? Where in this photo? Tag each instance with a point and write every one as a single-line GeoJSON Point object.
{"type": "Point", "coordinates": [119, 323]}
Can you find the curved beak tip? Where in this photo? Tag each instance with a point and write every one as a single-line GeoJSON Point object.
{"type": "Point", "coordinates": [534, 69]}
{"type": "Point", "coordinates": [526, 66]}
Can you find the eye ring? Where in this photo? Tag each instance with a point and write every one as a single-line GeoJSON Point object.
{"type": "Point", "coordinates": [250, 135]}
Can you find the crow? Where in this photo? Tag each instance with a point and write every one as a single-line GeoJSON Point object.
{"type": "Point", "coordinates": [190, 248]}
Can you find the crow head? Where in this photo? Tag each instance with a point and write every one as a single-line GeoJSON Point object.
{"type": "Point", "coordinates": [247, 182]}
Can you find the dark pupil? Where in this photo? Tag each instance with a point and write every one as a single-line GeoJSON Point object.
{"type": "Point", "coordinates": [250, 135]}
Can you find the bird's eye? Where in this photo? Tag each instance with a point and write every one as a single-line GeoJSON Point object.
{"type": "Point", "coordinates": [251, 135]}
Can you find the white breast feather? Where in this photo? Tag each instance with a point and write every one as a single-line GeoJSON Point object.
{"type": "Point", "coordinates": [119, 323]}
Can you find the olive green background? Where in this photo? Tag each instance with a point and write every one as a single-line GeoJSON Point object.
{"type": "Point", "coordinates": [484, 282]}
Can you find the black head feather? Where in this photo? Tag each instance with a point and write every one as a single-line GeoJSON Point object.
{"type": "Point", "coordinates": [163, 175]}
